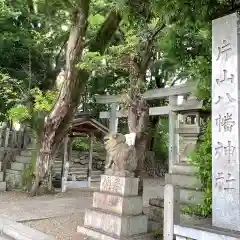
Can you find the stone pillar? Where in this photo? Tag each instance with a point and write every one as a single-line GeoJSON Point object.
{"type": "Point", "coordinates": [225, 122]}
{"type": "Point", "coordinates": [113, 125]}
{"type": "Point", "coordinates": [117, 211]}
{"type": "Point", "coordinates": [171, 210]}
{"type": "Point", "coordinates": [90, 159]}
{"type": "Point", "coordinates": [173, 136]}
{"type": "Point", "coordinates": [65, 166]}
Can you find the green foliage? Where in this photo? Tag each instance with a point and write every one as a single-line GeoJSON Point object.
{"type": "Point", "coordinates": [161, 139]}
{"type": "Point", "coordinates": [202, 159]}
{"type": "Point", "coordinates": [28, 173]}
{"type": "Point", "coordinates": [19, 113]}
{"type": "Point", "coordinates": [158, 234]}
{"type": "Point", "coordinates": [81, 144]}
{"type": "Point", "coordinates": [34, 113]}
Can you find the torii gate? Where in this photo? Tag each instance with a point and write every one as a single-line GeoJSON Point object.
{"type": "Point", "coordinates": [172, 110]}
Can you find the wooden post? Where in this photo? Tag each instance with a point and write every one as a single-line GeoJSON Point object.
{"type": "Point", "coordinates": [90, 159]}
{"type": "Point", "coordinates": [173, 136]}
{"type": "Point", "coordinates": [113, 125]}
{"type": "Point", "coordinates": [171, 210]}
{"type": "Point", "coordinates": [65, 165]}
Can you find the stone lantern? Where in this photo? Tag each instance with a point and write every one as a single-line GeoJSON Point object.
{"type": "Point", "coordinates": [190, 122]}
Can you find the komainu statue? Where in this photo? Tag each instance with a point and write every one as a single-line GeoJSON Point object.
{"type": "Point", "coordinates": [122, 157]}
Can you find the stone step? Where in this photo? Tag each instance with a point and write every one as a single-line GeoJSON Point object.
{"type": "Point", "coordinates": [23, 159]}
{"type": "Point", "coordinates": [19, 166]}
{"type": "Point", "coordinates": [183, 181]}
{"type": "Point", "coordinates": [187, 196]}
{"type": "Point", "coordinates": [95, 180]}
{"type": "Point", "coordinates": [184, 169]}
{"type": "Point", "coordinates": [26, 153]}
{"type": "Point", "coordinates": [97, 173]}
{"type": "Point", "coordinates": [1, 176]}
{"type": "Point", "coordinates": [3, 186]}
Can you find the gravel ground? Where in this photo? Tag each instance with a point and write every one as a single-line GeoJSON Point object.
{"type": "Point", "coordinates": [58, 214]}
{"type": "Point", "coordinates": [61, 220]}
{"type": "Point", "coordinates": [61, 227]}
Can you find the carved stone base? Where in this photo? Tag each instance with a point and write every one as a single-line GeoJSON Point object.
{"type": "Point", "coordinates": [92, 234]}
{"type": "Point", "coordinates": [116, 212]}
{"type": "Point", "coordinates": [118, 204]}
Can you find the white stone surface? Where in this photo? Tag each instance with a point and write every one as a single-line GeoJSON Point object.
{"type": "Point", "coordinates": [203, 233]}
{"type": "Point", "coordinates": [171, 210]}
{"type": "Point", "coordinates": [117, 225]}
{"type": "Point", "coordinates": [225, 122]}
{"type": "Point", "coordinates": [19, 231]}
{"type": "Point", "coordinates": [102, 236]}
{"type": "Point", "coordinates": [118, 204]}
{"type": "Point", "coordinates": [123, 186]}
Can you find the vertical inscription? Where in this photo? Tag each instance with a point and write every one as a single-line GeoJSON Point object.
{"type": "Point", "coordinates": [112, 184]}
{"type": "Point", "coordinates": [225, 122]}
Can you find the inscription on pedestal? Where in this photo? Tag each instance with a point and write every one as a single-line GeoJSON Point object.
{"type": "Point", "coordinates": [119, 185]}
{"type": "Point", "coordinates": [118, 204]}
{"type": "Point", "coordinates": [225, 122]}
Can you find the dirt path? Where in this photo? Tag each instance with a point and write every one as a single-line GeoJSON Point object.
{"type": "Point", "coordinates": [60, 214]}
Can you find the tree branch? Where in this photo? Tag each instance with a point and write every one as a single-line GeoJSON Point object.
{"type": "Point", "coordinates": [148, 50]}
{"type": "Point", "coordinates": [106, 32]}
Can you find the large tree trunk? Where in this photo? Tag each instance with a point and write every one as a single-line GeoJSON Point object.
{"type": "Point", "coordinates": [138, 119]}
{"type": "Point", "coordinates": [68, 100]}
{"type": "Point", "coordinates": [57, 123]}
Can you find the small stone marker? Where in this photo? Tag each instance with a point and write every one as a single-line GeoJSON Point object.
{"type": "Point", "coordinates": [225, 122]}
{"type": "Point", "coordinates": [116, 211]}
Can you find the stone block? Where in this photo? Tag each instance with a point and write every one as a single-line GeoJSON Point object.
{"type": "Point", "coordinates": [23, 159]}
{"type": "Point", "coordinates": [92, 234]}
{"type": "Point", "coordinates": [18, 166]}
{"type": "Point", "coordinates": [124, 186]}
{"type": "Point", "coordinates": [0, 166]}
{"type": "Point", "coordinates": [184, 169]}
{"type": "Point", "coordinates": [14, 179]}
{"type": "Point", "coordinates": [26, 153]}
{"type": "Point", "coordinates": [157, 202]}
{"type": "Point", "coordinates": [114, 224]}
{"type": "Point", "coordinates": [118, 204]}
{"type": "Point", "coordinates": [187, 196]}
{"type": "Point", "coordinates": [1, 176]}
{"type": "Point", "coordinates": [3, 186]}
{"type": "Point", "coordinates": [156, 213]}
{"type": "Point", "coordinates": [19, 231]}
{"type": "Point", "coordinates": [183, 181]}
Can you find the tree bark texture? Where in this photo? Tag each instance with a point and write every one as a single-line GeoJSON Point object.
{"type": "Point", "coordinates": [57, 122]}
{"type": "Point", "coordinates": [138, 120]}
{"type": "Point", "coordinates": [68, 100]}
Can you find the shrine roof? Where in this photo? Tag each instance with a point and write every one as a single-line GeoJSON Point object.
{"type": "Point", "coordinates": [84, 124]}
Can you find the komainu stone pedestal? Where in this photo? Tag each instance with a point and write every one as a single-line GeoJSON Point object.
{"type": "Point", "coordinates": [116, 212]}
